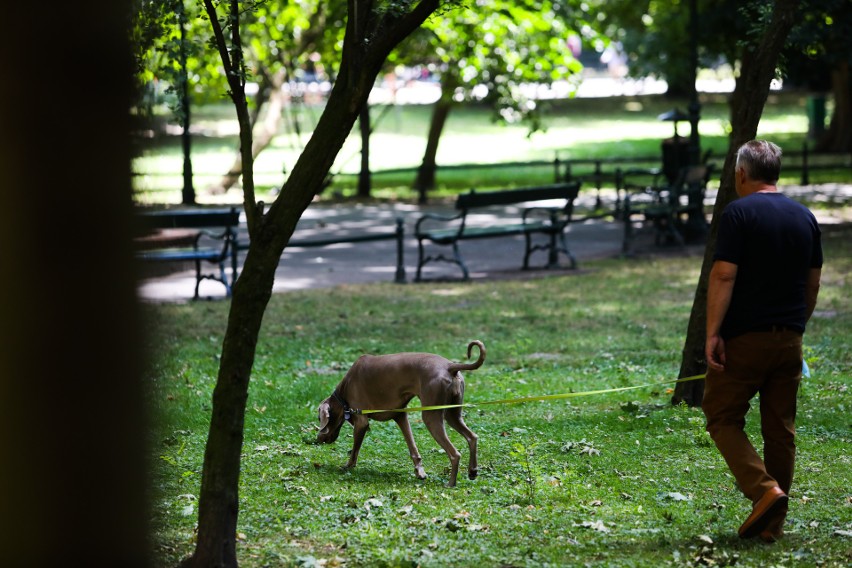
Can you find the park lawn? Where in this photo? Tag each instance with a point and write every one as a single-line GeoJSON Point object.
{"type": "Point", "coordinates": [615, 127]}
{"type": "Point", "coordinates": [617, 479]}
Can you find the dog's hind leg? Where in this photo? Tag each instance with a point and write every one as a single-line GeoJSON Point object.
{"type": "Point", "coordinates": [402, 421]}
{"type": "Point", "coordinates": [454, 419]}
{"type": "Point", "coordinates": [434, 420]}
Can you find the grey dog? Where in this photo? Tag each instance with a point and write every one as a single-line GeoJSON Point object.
{"type": "Point", "coordinates": [390, 382]}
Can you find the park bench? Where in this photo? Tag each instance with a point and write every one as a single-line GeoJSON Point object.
{"type": "Point", "coordinates": [447, 231]}
{"type": "Point", "coordinates": [196, 235]}
{"type": "Point", "coordinates": [671, 209]}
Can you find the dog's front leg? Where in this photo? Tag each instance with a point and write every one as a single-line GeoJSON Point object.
{"type": "Point", "coordinates": [361, 425]}
{"type": "Point", "coordinates": [402, 421]}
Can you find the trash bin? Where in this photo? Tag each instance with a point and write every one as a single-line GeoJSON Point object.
{"type": "Point", "coordinates": [816, 115]}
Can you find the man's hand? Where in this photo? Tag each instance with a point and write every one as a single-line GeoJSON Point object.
{"type": "Point", "coordinates": [714, 352]}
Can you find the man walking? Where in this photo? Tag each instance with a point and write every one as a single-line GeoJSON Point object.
{"type": "Point", "coordinates": [762, 291]}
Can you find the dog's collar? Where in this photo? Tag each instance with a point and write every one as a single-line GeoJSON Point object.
{"type": "Point", "coordinates": [347, 411]}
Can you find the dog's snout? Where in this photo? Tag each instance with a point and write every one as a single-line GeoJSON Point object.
{"type": "Point", "coordinates": [326, 436]}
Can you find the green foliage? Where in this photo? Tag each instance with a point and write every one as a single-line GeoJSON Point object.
{"type": "Point", "coordinates": [622, 479]}
{"type": "Point", "coordinates": [656, 36]}
{"type": "Point", "coordinates": [820, 42]}
{"type": "Point", "coordinates": [490, 54]}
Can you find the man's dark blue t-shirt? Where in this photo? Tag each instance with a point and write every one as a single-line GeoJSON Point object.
{"type": "Point", "coordinates": [774, 241]}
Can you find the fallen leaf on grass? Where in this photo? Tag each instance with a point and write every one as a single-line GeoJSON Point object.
{"type": "Point", "coordinates": [675, 496]}
{"type": "Point", "coordinates": [594, 525]}
{"type": "Point", "coordinates": [840, 532]}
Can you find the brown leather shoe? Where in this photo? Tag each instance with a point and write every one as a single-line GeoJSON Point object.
{"type": "Point", "coordinates": [762, 512]}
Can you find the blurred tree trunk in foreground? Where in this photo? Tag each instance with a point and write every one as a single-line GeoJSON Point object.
{"type": "Point", "coordinates": [72, 407]}
{"type": "Point", "coordinates": [749, 98]}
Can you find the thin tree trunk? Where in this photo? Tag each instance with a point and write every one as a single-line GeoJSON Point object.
{"type": "Point", "coordinates": [838, 137]}
{"type": "Point", "coordinates": [364, 181]}
{"type": "Point", "coordinates": [749, 98]}
{"type": "Point", "coordinates": [218, 507]}
{"type": "Point", "coordinates": [426, 172]}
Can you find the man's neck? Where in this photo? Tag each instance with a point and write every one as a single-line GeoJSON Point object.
{"type": "Point", "coordinates": [758, 187]}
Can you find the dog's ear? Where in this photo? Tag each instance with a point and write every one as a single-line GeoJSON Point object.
{"type": "Point", "coordinates": [330, 422]}
{"type": "Point", "coordinates": [324, 416]}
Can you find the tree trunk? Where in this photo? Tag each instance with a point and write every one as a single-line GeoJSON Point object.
{"type": "Point", "coordinates": [218, 506]}
{"type": "Point", "coordinates": [747, 102]}
{"type": "Point", "coordinates": [264, 132]}
{"type": "Point", "coordinates": [364, 181]}
{"type": "Point", "coordinates": [426, 172]}
{"type": "Point", "coordinates": [188, 192]}
{"type": "Point", "coordinates": [838, 137]}
{"type": "Point", "coordinates": [74, 428]}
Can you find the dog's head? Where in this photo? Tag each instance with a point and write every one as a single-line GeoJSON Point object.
{"type": "Point", "coordinates": [331, 419]}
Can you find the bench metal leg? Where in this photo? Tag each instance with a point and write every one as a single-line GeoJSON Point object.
{"type": "Point", "coordinates": [552, 252]}
{"type": "Point", "coordinates": [528, 250]}
{"type": "Point", "coordinates": [400, 263]}
{"type": "Point", "coordinates": [554, 247]}
{"type": "Point", "coordinates": [567, 251]}
{"type": "Point", "coordinates": [459, 261]}
{"type": "Point", "coordinates": [422, 260]}
{"type": "Point", "coordinates": [198, 277]}
{"type": "Point", "coordinates": [223, 278]}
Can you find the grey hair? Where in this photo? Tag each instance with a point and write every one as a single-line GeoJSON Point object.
{"type": "Point", "coordinates": [761, 160]}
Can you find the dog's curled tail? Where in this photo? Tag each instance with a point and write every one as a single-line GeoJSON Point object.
{"type": "Point", "coordinates": [455, 367]}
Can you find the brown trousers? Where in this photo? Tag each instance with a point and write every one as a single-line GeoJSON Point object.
{"type": "Point", "coordinates": [769, 363]}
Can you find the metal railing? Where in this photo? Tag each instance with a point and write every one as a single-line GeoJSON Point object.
{"type": "Point", "coordinates": [600, 171]}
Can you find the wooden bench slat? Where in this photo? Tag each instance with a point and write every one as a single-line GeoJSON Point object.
{"type": "Point", "coordinates": [212, 255]}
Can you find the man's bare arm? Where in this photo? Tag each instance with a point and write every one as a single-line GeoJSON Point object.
{"type": "Point", "coordinates": [719, 292]}
{"type": "Point", "coordinates": [812, 291]}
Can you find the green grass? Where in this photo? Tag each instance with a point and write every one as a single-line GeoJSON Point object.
{"type": "Point", "coordinates": [575, 129]}
{"type": "Point", "coordinates": [621, 479]}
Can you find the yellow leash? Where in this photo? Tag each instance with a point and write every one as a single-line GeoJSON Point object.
{"type": "Point", "coordinates": [531, 398]}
